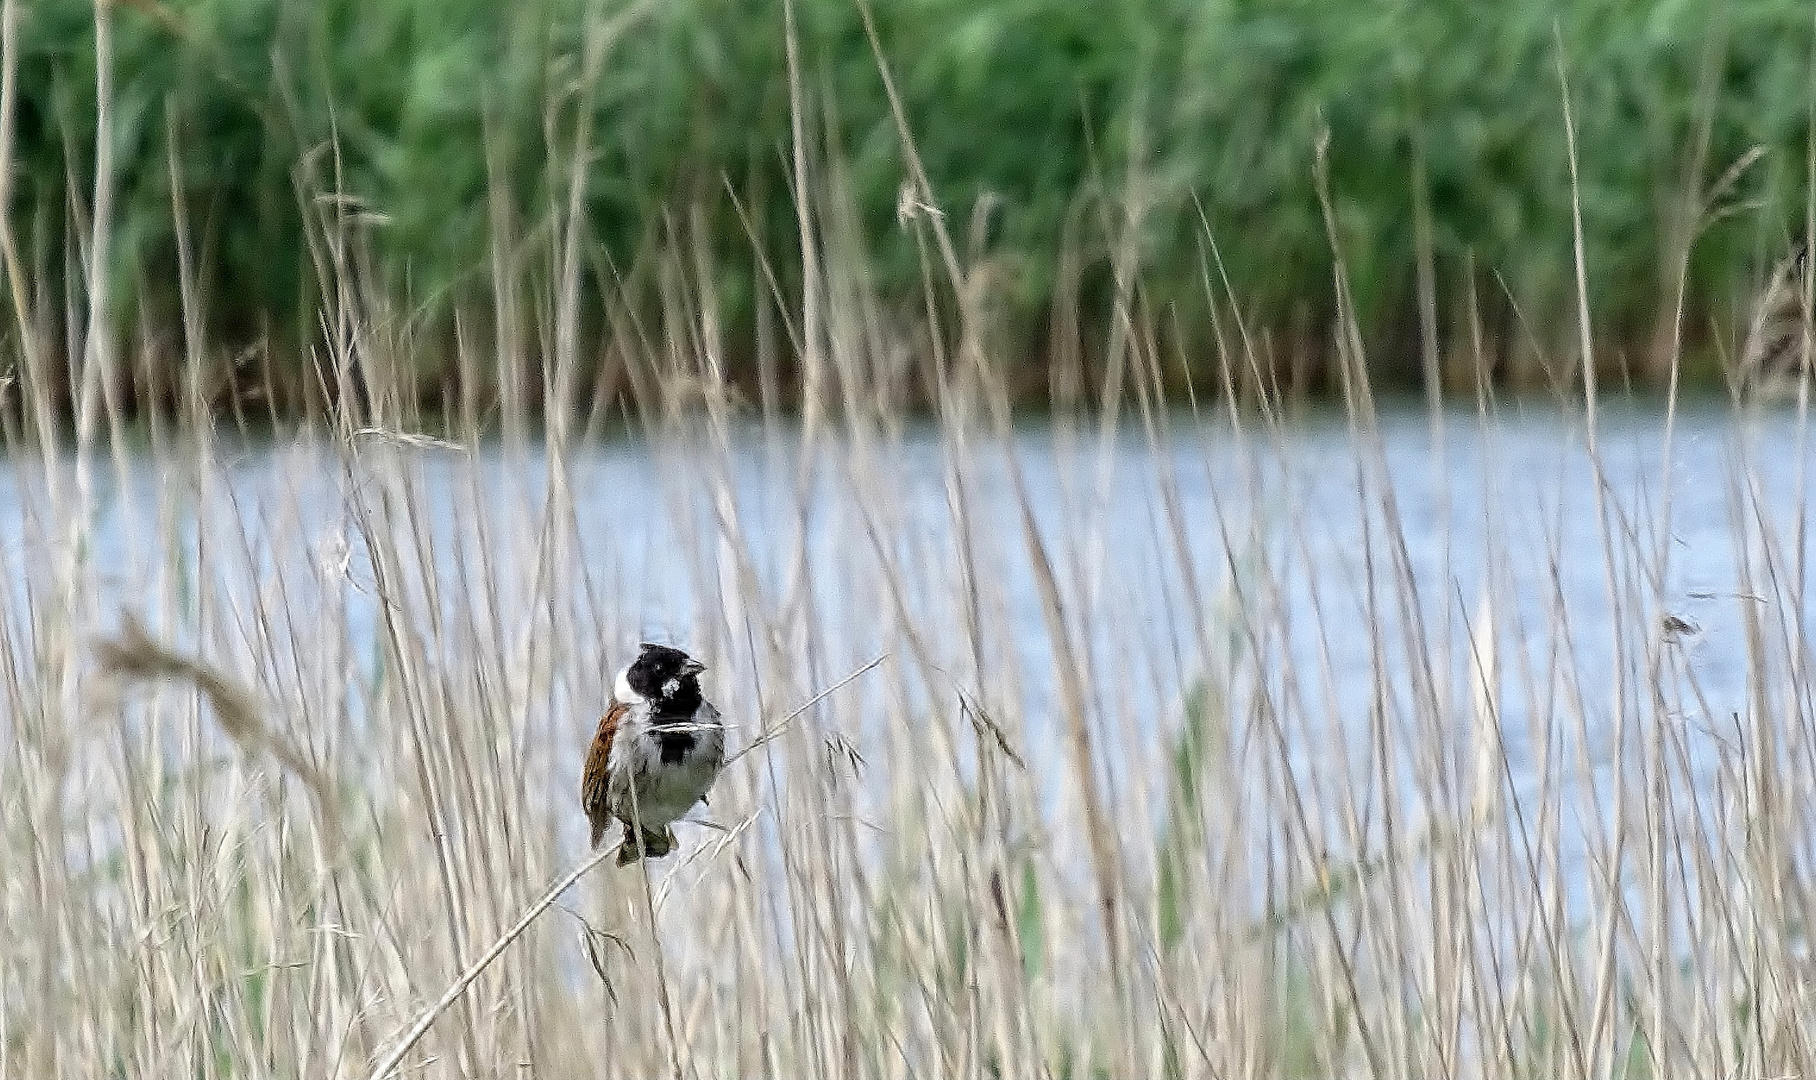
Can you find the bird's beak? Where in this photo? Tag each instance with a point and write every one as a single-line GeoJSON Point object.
{"type": "Point", "coordinates": [690, 666]}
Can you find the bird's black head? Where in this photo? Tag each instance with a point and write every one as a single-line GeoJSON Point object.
{"type": "Point", "coordinates": [668, 678]}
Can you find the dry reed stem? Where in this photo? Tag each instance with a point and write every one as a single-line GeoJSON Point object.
{"type": "Point", "coordinates": [134, 655]}
{"type": "Point", "coordinates": [421, 1026]}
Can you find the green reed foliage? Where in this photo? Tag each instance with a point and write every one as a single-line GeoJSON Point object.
{"type": "Point", "coordinates": [1084, 131]}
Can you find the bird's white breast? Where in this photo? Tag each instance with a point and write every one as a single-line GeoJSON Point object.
{"type": "Point", "coordinates": [664, 791]}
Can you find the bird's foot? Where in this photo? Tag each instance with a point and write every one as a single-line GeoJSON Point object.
{"type": "Point", "coordinates": [654, 844]}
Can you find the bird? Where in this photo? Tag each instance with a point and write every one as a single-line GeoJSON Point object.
{"type": "Point", "coordinates": [657, 751]}
{"type": "Point", "coordinates": [1776, 357]}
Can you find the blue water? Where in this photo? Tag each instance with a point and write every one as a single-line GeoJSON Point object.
{"type": "Point", "coordinates": [1288, 539]}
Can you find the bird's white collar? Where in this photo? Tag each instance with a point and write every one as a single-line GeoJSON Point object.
{"type": "Point", "coordinates": [621, 689]}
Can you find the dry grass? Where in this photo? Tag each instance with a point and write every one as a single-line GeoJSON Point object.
{"type": "Point", "coordinates": [292, 729]}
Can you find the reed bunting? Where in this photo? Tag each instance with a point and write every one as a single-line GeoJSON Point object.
{"type": "Point", "coordinates": [658, 749]}
{"type": "Point", "coordinates": [1776, 355]}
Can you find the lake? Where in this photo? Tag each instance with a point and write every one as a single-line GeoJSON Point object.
{"type": "Point", "coordinates": [1340, 582]}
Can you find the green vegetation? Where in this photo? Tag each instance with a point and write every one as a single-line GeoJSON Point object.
{"type": "Point", "coordinates": [1086, 131]}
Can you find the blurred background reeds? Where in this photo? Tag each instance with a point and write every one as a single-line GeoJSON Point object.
{"type": "Point", "coordinates": [381, 374]}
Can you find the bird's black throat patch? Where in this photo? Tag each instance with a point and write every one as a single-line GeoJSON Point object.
{"type": "Point", "coordinates": [675, 746]}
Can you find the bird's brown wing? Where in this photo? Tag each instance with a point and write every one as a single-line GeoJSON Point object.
{"type": "Point", "coordinates": [594, 777]}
